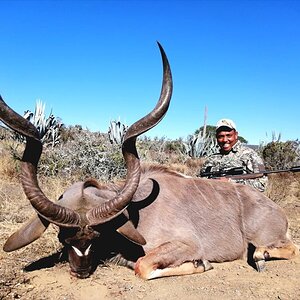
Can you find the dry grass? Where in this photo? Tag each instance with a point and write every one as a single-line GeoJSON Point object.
{"type": "Point", "coordinates": [284, 188]}
{"type": "Point", "coordinates": [190, 167]}
{"type": "Point", "coordinates": [9, 167]}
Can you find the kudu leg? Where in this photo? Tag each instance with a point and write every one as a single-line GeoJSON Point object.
{"type": "Point", "coordinates": [170, 259]}
{"type": "Point", "coordinates": [261, 254]}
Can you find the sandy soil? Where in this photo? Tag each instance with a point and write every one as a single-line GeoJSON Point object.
{"type": "Point", "coordinates": [232, 280]}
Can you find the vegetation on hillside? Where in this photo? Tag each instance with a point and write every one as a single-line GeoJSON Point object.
{"type": "Point", "coordinates": [74, 152]}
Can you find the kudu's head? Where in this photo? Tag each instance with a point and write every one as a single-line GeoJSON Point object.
{"type": "Point", "coordinates": [88, 206]}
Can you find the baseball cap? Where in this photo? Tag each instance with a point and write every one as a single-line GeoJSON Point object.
{"type": "Point", "coordinates": [225, 123]}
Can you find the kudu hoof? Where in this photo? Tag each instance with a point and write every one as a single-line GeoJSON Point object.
{"type": "Point", "coordinates": [260, 265]}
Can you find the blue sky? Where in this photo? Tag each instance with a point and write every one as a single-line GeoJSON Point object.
{"type": "Point", "coordinates": [95, 61]}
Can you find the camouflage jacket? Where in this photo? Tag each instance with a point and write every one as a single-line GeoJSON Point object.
{"type": "Point", "coordinates": [239, 156]}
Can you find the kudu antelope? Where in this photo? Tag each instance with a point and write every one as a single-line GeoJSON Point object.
{"type": "Point", "coordinates": [159, 222]}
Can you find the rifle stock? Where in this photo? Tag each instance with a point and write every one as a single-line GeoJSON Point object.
{"type": "Point", "coordinates": [246, 176]}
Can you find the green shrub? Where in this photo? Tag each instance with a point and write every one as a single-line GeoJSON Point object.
{"type": "Point", "coordinates": [281, 155]}
{"type": "Point", "coordinates": [86, 154]}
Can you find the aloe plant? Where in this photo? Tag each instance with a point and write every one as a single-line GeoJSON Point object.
{"type": "Point", "coordinates": [116, 132]}
{"type": "Point", "coordinates": [48, 127]}
{"type": "Point", "coordinates": [201, 144]}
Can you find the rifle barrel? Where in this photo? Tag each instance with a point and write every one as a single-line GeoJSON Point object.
{"type": "Point", "coordinates": [261, 174]}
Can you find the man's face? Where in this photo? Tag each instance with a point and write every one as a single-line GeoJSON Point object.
{"type": "Point", "coordinates": [226, 139]}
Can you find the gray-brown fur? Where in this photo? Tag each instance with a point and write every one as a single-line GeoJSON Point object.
{"type": "Point", "coordinates": [218, 218]}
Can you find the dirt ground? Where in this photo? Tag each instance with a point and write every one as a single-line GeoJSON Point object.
{"type": "Point", "coordinates": [232, 280]}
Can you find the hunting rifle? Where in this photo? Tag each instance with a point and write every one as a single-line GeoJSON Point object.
{"type": "Point", "coordinates": [237, 173]}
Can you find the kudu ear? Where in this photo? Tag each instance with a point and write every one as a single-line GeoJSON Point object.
{"type": "Point", "coordinates": [131, 233]}
{"type": "Point", "coordinates": [28, 233]}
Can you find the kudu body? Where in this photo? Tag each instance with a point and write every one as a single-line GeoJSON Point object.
{"type": "Point", "coordinates": [158, 222]}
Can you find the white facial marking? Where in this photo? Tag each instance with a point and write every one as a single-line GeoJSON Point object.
{"type": "Point", "coordinates": [87, 251]}
{"type": "Point", "coordinates": [77, 251]}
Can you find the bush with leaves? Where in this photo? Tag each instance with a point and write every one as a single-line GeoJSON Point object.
{"type": "Point", "coordinates": [86, 154]}
{"type": "Point", "coordinates": [160, 150]}
{"type": "Point", "coordinates": [281, 155]}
